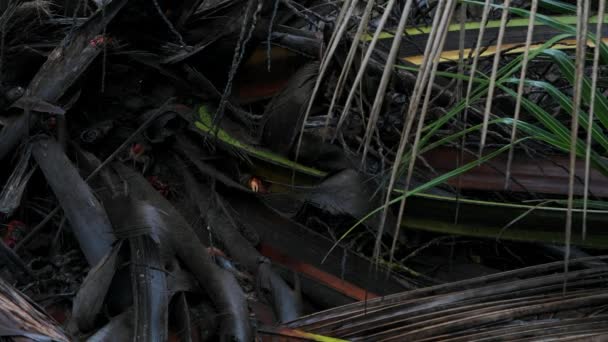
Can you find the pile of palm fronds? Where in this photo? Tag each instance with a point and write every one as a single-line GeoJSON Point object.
{"type": "Point", "coordinates": [166, 161]}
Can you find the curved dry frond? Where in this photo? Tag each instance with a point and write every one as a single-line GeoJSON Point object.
{"type": "Point", "coordinates": [349, 58]}
{"type": "Point", "coordinates": [343, 19]}
{"type": "Point", "coordinates": [582, 12]}
{"type": "Point", "coordinates": [520, 87]}
{"type": "Point", "coordinates": [368, 53]}
{"type": "Point", "coordinates": [594, 78]}
{"type": "Point", "coordinates": [447, 16]}
{"type": "Point", "coordinates": [492, 83]}
{"type": "Point", "coordinates": [388, 71]}
{"type": "Point", "coordinates": [432, 51]}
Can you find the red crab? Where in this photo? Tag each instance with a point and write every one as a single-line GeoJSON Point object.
{"type": "Point", "coordinates": [99, 41]}
{"type": "Point", "coordinates": [160, 186]}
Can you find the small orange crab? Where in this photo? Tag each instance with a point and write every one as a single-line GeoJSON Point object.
{"type": "Point", "coordinates": [257, 185]}
{"type": "Point", "coordinates": [137, 154]}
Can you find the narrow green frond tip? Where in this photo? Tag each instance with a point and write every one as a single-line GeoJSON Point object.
{"type": "Point", "coordinates": [205, 124]}
{"type": "Point", "coordinates": [320, 338]}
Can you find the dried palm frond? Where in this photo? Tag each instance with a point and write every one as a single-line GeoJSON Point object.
{"type": "Point", "coordinates": [589, 141]}
{"type": "Point", "coordinates": [341, 24]}
{"type": "Point", "coordinates": [520, 88]}
{"type": "Point", "coordinates": [582, 12]}
{"type": "Point", "coordinates": [388, 71]}
{"type": "Point", "coordinates": [522, 303]}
